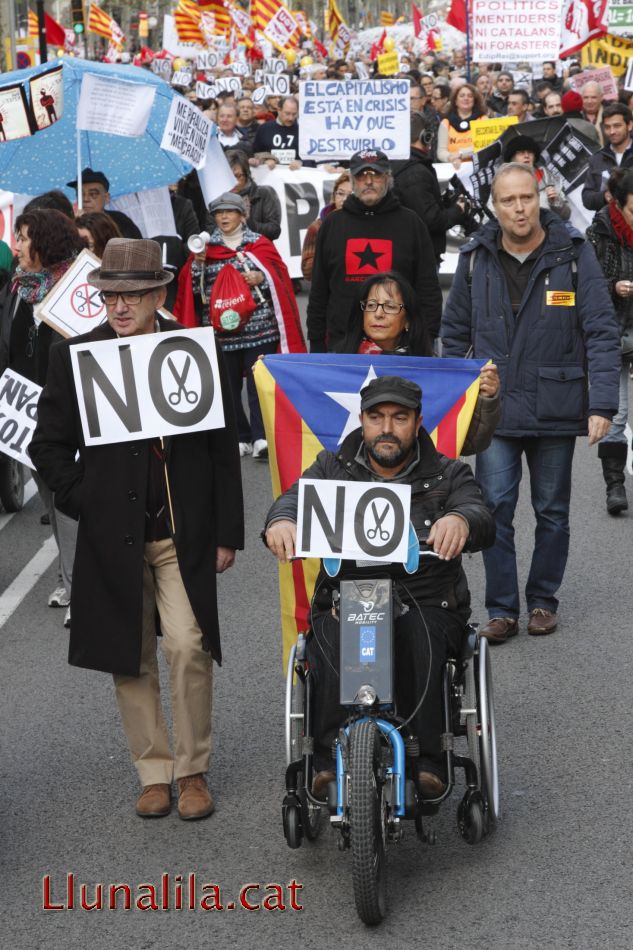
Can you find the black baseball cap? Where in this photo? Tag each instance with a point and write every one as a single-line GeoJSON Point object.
{"type": "Point", "coordinates": [88, 177]}
{"type": "Point", "coordinates": [369, 158]}
{"type": "Point", "coordinates": [404, 392]}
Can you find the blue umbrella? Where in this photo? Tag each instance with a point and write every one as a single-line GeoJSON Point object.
{"type": "Point", "coordinates": [48, 159]}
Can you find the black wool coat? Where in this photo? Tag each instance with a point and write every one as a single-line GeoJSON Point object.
{"type": "Point", "coordinates": [105, 488]}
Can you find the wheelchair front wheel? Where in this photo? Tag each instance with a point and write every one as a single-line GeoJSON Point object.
{"type": "Point", "coordinates": [367, 824]}
{"type": "Point", "coordinates": [489, 765]}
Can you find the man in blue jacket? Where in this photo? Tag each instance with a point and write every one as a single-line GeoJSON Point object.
{"type": "Point", "coordinates": [530, 294]}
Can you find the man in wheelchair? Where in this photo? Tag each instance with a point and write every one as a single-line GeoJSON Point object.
{"type": "Point", "coordinates": [449, 516]}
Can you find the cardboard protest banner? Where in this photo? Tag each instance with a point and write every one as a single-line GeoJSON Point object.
{"type": "Point", "coordinates": [340, 117]}
{"type": "Point", "coordinates": [47, 97]}
{"type": "Point", "coordinates": [604, 77]}
{"type": "Point", "coordinates": [364, 520]}
{"type": "Point", "coordinates": [388, 63]}
{"type": "Point", "coordinates": [187, 132]}
{"type": "Point", "coordinates": [114, 106]}
{"type": "Point", "coordinates": [142, 387]}
{"type": "Point", "coordinates": [612, 51]}
{"type": "Point", "coordinates": [302, 195]}
{"type": "Point", "coordinates": [485, 131]}
{"type": "Point", "coordinates": [72, 306]}
{"type": "Point", "coordinates": [506, 30]}
{"type": "Point", "coordinates": [18, 415]}
{"type": "Point", "coordinates": [276, 84]}
{"type": "Point", "coordinates": [14, 113]}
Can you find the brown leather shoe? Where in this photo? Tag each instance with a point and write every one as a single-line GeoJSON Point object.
{"type": "Point", "coordinates": [154, 801]}
{"type": "Point", "coordinates": [542, 622]}
{"type": "Point", "coordinates": [500, 629]}
{"type": "Point", "coordinates": [430, 785]}
{"type": "Point", "coordinates": [320, 783]}
{"type": "Point", "coordinates": [194, 799]}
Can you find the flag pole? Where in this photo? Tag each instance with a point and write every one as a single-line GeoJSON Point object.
{"type": "Point", "coordinates": [80, 202]}
{"type": "Point", "coordinates": [468, 40]}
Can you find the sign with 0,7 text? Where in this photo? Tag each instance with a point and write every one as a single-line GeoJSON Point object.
{"type": "Point", "coordinates": [368, 521]}
{"type": "Point", "coordinates": [18, 415]}
{"type": "Point", "coordinates": [146, 386]}
{"type": "Point", "coordinates": [340, 117]}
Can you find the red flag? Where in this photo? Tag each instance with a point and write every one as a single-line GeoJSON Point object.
{"type": "Point", "coordinates": [417, 21]}
{"type": "Point", "coordinates": [581, 21]}
{"type": "Point", "coordinates": [378, 47]}
{"type": "Point", "coordinates": [457, 15]}
{"type": "Point", "coordinates": [319, 47]}
{"type": "Point", "coordinates": [55, 34]}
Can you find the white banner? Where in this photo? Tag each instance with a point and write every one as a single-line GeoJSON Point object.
{"type": "Point", "coordinates": [276, 84]}
{"type": "Point", "coordinates": [141, 387]}
{"type": "Point", "coordinates": [281, 27]}
{"type": "Point", "coordinates": [628, 79]}
{"type": "Point", "coordinates": [215, 176]}
{"type": "Point", "coordinates": [113, 106]}
{"type": "Point", "coordinates": [338, 118]}
{"type": "Point", "coordinates": [302, 195]}
{"type": "Point", "coordinates": [150, 210]}
{"type": "Point", "coordinates": [364, 520]}
{"type": "Point", "coordinates": [505, 30]}
{"type": "Point", "coordinates": [18, 415]}
{"type": "Point", "coordinates": [73, 306]}
{"type": "Point", "coordinates": [187, 132]}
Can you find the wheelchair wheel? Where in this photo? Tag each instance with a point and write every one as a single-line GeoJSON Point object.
{"type": "Point", "coordinates": [11, 484]}
{"type": "Point", "coordinates": [480, 727]}
{"type": "Point", "coordinates": [310, 820]}
{"type": "Point", "coordinates": [367, 824]}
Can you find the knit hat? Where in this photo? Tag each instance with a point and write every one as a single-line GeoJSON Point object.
{"type": "Point", "coordinates": [572, 101]}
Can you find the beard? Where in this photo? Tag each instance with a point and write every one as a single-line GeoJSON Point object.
{"type": "Point", "coordinates": [384, 457]}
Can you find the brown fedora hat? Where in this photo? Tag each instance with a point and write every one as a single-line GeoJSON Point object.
{"type": "Point", "coordinates": [129, 264]}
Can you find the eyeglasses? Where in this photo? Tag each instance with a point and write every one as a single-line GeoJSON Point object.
{"type": "Point", "coordinates": [390, 308]}
{"type": "Point", "coordinates": [368, 173]}
{"type": "Point", "coordinates": [129, 299]}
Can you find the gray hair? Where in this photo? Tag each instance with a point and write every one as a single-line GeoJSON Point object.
{"type": "Point", "coordinates": [507, 169]}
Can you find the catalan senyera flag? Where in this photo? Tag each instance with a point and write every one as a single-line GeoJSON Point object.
{"type": "Point", "coordinates": [386, 18]}
{"type": "Point", "coordinates": [216, 9]}
{"type": "Point", "coordinates": [312, 402]}
{"type": "Point", "coordinates": [103, 24]}
{"type": "Point", "coordinates": [242, 23]}
{"type": "Point", "coordinates": [187, 22]}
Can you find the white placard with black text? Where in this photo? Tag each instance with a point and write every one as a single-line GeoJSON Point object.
{"type": "Point", "coordinates": [142, 387]}
{"type": "Point", "coordinates": [187, 132]}
{"type": "Point", "coordinates": [353, 520]}
{"type": "Point", "coordinates": [18, 415]}
{"type": "Point", "coordinates": [73, 306]}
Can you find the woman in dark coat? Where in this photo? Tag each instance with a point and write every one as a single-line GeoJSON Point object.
{"type": "Point", "coordinates": [263, 208]}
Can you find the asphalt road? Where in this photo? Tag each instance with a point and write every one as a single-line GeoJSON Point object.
{"type": "Point", "coordinates": [556, 875]}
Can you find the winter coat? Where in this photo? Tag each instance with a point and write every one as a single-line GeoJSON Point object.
{"type": "Point", "coordinates": [599, 168]}
{"type": "Point", "coordinates": [417, 187]}
{"type": "Point", "coordinates": [439, 486]}
{"type": "Point", "coordinates": [544, 353]}
{"type": "Point", "coordinates": [358, 242]}
{"type": "Point", "coordinates": [106, 489]}
{"type": "Point", "coordinates": [616, 261]}
{"type": "Point", "coordinates": [265, 212]}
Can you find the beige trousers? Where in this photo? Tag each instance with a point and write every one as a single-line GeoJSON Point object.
{"type": "Point", "coordinates": [190, 679]}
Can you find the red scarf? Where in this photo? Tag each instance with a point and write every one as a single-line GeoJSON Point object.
{"type": "Point", "coordinates": [624, 232]}
{"type": "Point", "coordinates": [282, 293]}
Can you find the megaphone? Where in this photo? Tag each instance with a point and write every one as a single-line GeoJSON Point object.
{"type": "Point", "coordinates": [198, 242]}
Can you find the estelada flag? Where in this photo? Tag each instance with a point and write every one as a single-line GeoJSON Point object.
{"type": "Point", "coordinates": [312, 402]}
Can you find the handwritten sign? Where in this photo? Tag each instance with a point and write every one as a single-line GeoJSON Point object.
{"type": "Point", "coordinates": [187, 132]}
{"type": "Point", "coordinates": [487, 131]}
{"type": "Point", "coordinates": [604, 77]}
{"type": "Point", "coordinates": [276, 84]}
{"type": "Point", "coordinates": [18, 415]}
{"type": "Point", "coordinates": [114, 106]}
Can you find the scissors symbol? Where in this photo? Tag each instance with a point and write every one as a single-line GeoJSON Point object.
{"type": "Point", "coordinates": [181, 379]}
{"type": "Point", "coordinates": [378, 529]}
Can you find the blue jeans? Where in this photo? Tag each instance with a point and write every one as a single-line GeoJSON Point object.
{"type": "Point", "coordinates": [618, 424]}
{"type": "Point", "coordinates": [499, 471]}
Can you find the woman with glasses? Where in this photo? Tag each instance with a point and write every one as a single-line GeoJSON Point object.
{"type": "Point", "coordinates": [387, 321]}
{"type": "Point", "coordinates": [262, 203]}
{"type": "Point", "coordinates": [47, 243]}
{"type": "Point", "coordinates": [342, 188]}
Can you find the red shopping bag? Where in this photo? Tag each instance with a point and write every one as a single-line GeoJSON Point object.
{"type": "Point", "coordinates": [231, 301]}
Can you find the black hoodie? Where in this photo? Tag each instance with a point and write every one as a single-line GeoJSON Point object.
{"type": "Point", "coordinates": [358, 242]}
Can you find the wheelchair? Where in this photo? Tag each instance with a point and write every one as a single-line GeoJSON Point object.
{"type": "Point", "coordinates": [375, 788]}
{"type": "Point", "coordinates": [11, 484]}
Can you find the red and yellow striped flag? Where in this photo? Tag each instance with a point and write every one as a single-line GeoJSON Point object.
{"type": "Point", "coordinates": [187, 22]}
{"type": "Point", "coordinates": [214, 14]}
{"type": "Point", "coordinates": [103, 24]}
{"type": "Point", "coordinates": [34, 26]}
{"type": "Point", "coordinates": [274, 20]}
{"type": "Point", "coordinates": [312, 402]}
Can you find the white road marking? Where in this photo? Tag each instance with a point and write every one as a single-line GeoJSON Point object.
{"type": "Point", "coordinates": [27, 579]}
{"type": "Point", "coordinates": [629, 460]}
{"type": "Point", "coordinates": [30, 489]}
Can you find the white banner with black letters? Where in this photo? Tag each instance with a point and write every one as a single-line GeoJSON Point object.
{"type": "Point", "coordinates": [368, 521]}
{"type": "Point", "coordinates": [141, 387]}
{"type": "Point", "coordinates": [18, 415]}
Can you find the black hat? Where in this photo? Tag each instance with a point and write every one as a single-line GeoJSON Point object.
{"type": "Point", "coordinates": [88, 177]}
{"type": "Point", "coordinates": [521, 143]}
{"type": "Point", "coordinates": [369, 158]}
{"type": "Point", "coordinates": [404, 392]}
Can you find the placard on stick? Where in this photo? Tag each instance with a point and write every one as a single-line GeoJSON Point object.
{"type": "Point", "coordinates": [18, 415]}
{"type": "Point", "coordinates": [73, 306]}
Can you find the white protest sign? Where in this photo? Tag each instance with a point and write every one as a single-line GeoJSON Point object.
{"type": "Point", "coordinates": [281, 28]}
{"type": "Point", "coordinates": [361, 71]}
{"type": "Point", "coordinates": [342, 519]}
{"type": "Point", "coordinates": [628, 79]}
{"type": "Point", "coordinates": [182, 78]}
{"type": "Point", "coordinates": [258, 96]}
{"type": "Point", "coordinates": [276, 84]}
{"type": "Point", "coordinates": [141, 387]}
{"type": "Point", "coordinates": [258, 76]}
{"type": "Point", "coordinates": [528, 30]}
{"type": "Point", "coordinates": [603, 76]}
{"type": "Point", "coordinates": [274, 65]}
{"type": "Point", "coordinates": [229, 84]}
{"type": "Point", "coordinates": [150, 210]}
{"type": "Point", "coordinates": [240, 69]}
{"type": "Point", "coordinates": [73, 306]}
{"type": "Point", "coordinates": [174, 45]}
{"type": "Point", "coordinates": [338, 118]}
{"type": "Point", "coordinates": [162, 68]}
{"type": "Point", "coordinates": [215, 176]}
{"type": "Point", "coordinates": [205, 91]}
{"type": "Point", "coordinates": [187, 132]}
{"type": "Point", "coordinates": [6, 216]}
{"type": "Point", "coordinates": [114, 106]}
{"type": "Point", "coordinates": [208, 60]}
{"type": "Point", "coordinates": [302, 194]}
{"type": "Point", "coordinates": [18, 415]}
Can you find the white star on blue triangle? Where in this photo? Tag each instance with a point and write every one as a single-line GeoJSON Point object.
{"type": "Point", "coordinates": [351, 403]}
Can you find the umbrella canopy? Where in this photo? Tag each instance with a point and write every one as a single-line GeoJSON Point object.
{"type": "Point", "coordinates": [48, 159]}
{"type": "Point", "coordinates": [544, 130]}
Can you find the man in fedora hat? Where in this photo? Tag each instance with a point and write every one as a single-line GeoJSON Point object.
{"type": "Point", "coordinates": [156, 523]}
